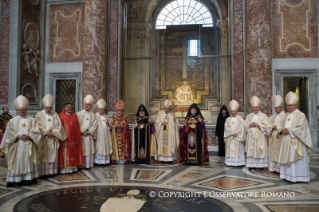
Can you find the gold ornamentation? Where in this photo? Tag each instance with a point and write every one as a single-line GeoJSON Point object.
{"type": "Point", "coordinates": [87, 119]}
{"type": "Point", "coordinates": [192, 123]}
{"type": "Point", "coordinates": [49, 120]}
{"type": "Point", "coordinates": [233, 122]}
{"type": "Point", "coordinates": [24, 125]}
{"type": "Point", "coordinates": [142, 126]}
{"type": "Point", "coordinates": [288, 119]}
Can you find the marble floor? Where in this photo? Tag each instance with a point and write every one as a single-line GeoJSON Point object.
{"type": "Point", "coordinates": [163, 187]}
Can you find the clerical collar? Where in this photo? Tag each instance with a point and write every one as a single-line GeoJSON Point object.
{"type": "Point", "coordinates": [67, 113]}
{"type": "Point", "coordinates": [86, 111]}
{"type": "Point", "coordinates": [224, 114]}
{"type": "Point", "coordinates": [234, 116]}
{"type": "Point", "coordinates": [101, 115]}
{"type": "Point", "coordinates": [257, 113]}
{"type": "Point", "coordinates": [294, 111]}
{"type": "Point", "coordinates": [279, 114]}
{"type": "Point", "coordinates": [167, 114]}
{"type": "Point", "coordinates": [23, 117]}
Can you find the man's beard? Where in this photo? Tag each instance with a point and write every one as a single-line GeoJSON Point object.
{"type": "Point", "coordinates": [193, 114]}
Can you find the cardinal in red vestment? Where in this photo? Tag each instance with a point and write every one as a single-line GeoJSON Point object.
{"type": "Point", "coordinates": [70, 150]}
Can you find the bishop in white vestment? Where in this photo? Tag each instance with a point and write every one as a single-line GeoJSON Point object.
{"type": "Point", "coordinates": [20, 141]}
{"type": "Point", "coordinates": [234, 137]}
{"type": "Point", "coordinates": [88, 125]}
{"type": "Point", "coordinates": [103, 143]}
{"type": "Point", "coordinates": [256, 139]}
{"type": "Point", "coordinates": [273, 134]}
{"type": "Point", "coordinates": [52, 131]}
{"type": "Point", "coordinates": [296, 143]}
{"type": "Point", "coordinates": [167, 134]}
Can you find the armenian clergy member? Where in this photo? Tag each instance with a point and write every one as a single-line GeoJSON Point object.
{"type": "Point", "coordinates": [4, 119]}
{"type": "Point", "coordinates": [88, 125]}
{"type": "Point", "coordinates": [193, 148]}
{"type": "Point", "coordinates": [234, 137]}
{"type": "Point", "coordinates": [220, 128]}
{"type": "Point", "coordinates": [273, 134]}
{"type": "Point", "coordinates": [103, 143]}
{"type": "Point", "coordinates": [143, 141]}
{"type": "Point", "coordinates": [167, 134]}
{"type": "Point", "coordinates": [256, 141]}
{"type": "Point", "coordinates": [52, 131]}
{"type": "Point", "coordinates": [20, 143]}
{"type": "Point", "coordinates": [296, 143]}
{"type": "Point", "coordinates": [70, 149]}
{"type": "Point", "coordinates": [121, 140]}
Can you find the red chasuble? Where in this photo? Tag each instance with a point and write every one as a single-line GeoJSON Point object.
{"type": "Point", "coordinates": [121, 137]}
{"type": "Point", "coordinates": [193, 147]}
{"type": "Point", "coordinates": [74, 155]}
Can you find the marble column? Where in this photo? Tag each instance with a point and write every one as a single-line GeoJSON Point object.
{"type": "Point", "coordinates": [224, 63]}
{"type": "Point", "coordinates": [95, 49]}
{"type": "Point", "coordinates": [258, 54]}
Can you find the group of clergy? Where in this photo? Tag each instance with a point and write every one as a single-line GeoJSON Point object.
{"type": "Point", "coordinates": [281, 142]}
{"type": "Point", "coordinates": [54, 143]}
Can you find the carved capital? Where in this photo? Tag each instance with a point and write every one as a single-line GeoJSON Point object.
{"type": "Point", "coordinates": [223, 26]}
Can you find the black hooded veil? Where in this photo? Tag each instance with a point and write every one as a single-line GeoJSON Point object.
{"type": "Point", "coordinates": [198, 113]}
{"type": "Point", "coordinates": [142, 139]}
{"type": "Point", "coordinates": [220, 127]}
{"type": "Point", "coordinates": [141, 108]}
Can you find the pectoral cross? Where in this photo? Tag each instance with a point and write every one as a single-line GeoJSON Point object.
{"type": "Point", "coordinates": [49, 120]}
{"type": "Point", "coordinates": [87, 119]}
{"type": "Point", "coordinates": [24, 125]}
{"type": "Point", "coordinates": [184, 51]}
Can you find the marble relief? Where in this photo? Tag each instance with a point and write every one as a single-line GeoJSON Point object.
{"type": "Point", "coordinates": [66, 32]}
{"type": "Point", "coordinates": [295, 28]}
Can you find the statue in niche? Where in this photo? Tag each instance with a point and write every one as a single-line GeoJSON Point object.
{"type": "Point", "coordinates": [34, 61]}
{"type": "Point", "coordinates": [184, 94]}
{"type": "Point", "coordinates": [26, 59]}
{"type": "Point", "coordinates": [31, 53]}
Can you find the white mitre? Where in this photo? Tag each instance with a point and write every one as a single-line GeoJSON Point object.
{"type": "Point", "coordinates": [255, 101]}
{"type": "Point", "coordinates": [168, 103]}
{"type": "Point", "coordinates": [277, 100]}
{"type": "Point", "coordinates": [291, 98]}
{"type": "Point", "coordinates": [48, 101]}
{"type": "Point", "coordinates": [21, 101]}
{"type": "Point", "coordinates": [88, 99]}
{"type": "Point", "coordinates": [101, 104]}
{"type": "Point", "coordinates": [233, 105]}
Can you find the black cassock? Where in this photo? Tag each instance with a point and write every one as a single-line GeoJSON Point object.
{"type": "Point", "coordinates": [220, 127]}
{"type": "Point", "coordinates": [142, 139]}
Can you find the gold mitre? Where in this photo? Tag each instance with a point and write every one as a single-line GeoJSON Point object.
{"type": "Point", "coordinates": [255, 101]}
{"type": "Point", "coordinates": [88, 99]}
{"type": "Point", "coordinates": [277, 100]}
{"type": "Point", "coordinates": [21, 101]}
{"type": "Point", "coordinates": [48, 101]}
{"type": "Point", "coordinates": [101, 104]}
{"type": "Point", "coordinates": [291, 98]}
{"type": "Point", "coordinates": [168, 103]}
{"type": "Point", "coordinates": [233, 105]}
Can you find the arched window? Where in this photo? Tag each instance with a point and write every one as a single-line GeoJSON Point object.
{"type": "Point", "coordinates": [183, 12]}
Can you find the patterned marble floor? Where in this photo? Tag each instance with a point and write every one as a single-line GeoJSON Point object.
{"type": "Point", "coordinates": [214, 187]}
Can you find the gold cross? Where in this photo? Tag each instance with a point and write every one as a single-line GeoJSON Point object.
{"type": "Point", "coordinates": [87, 119]}
{"type": "Point", "coordinates": [233, 122]}
{"type": "Point", "coordinates": [103, 119]}
{"type": "Point", "coordinates": [49, 120]}
{"type": "Point", "coordinates": [289, 119]}
{"type": "Point", "coordinates": [24, 125]}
